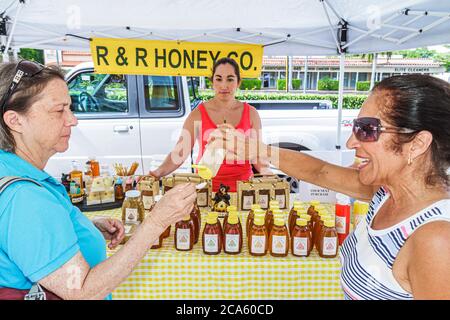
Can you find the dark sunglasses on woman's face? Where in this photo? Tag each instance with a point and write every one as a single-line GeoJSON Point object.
{"type": "Point", "coordinates": [24, 68]}
{"type": "Point", "coordinates": [368, 129]}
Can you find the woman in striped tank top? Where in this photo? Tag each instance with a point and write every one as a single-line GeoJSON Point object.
{"type": "Point", "coordinates": [402, 136]}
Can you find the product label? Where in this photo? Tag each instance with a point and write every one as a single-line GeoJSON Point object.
{"type": "Point", "coordinates": [202, 199]}
{"type": "Point", "coordinates": [329, 246]}
{"type": "Point", "coordinates": [148, 202]}
{"type": "Point", "coordinates": [300, 246]}
{"type": "Point", "coordinates": [232, 242]}
{"type": "Point", "coordinates": [264, 201]}
{"type": "Point", "coordinates": [279, 244]}
{"type": "Point", "coordinates": [211, 243]}
{"type": "Point", "coordinates": [341, 225]}
{"type": "Point", "coordinates": [281, 199]}
{"type": "Point", "coordinates": [258, 244]}
{"type": "Point", "coordinates": [247, 202]}
{"type": "Point", "coordinates": [131, 215]}
{"type": "Point", "coordinates": [183, 239]}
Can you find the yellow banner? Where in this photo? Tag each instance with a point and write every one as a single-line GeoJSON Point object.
{"type": "Point", "coordinates": [126, 56]}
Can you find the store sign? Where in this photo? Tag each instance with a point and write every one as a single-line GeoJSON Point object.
{"type": "Point", "coordinates": [308, 191]}
{"type": "Point", "coordinates": [127, 56]}
{"type": "Point", "coordinates": [412, 70]}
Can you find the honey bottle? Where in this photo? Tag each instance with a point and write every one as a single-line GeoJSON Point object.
{"type": "Point", "coordinates": [328, 240]}
{"type": "Point", "coordinates": [95, 167]}
{"type": "Point", "coordinates": [197, 221]}
{"type": "Point", "coordinates": [258, 213]}
{"type": "Point", "coordinates": [232, 234]}
{"type": "Point", "coordinates": [301, 241]}
{"type": "Point", "coordinates": [251, 216]}
{"type": "Point", "coordinates": [133, 211]}
{"type": "Point", "coordinates": [229, 209]}
{"type": "Point", "coordinates": [279, 239]}
{"type": "Point", "coordinates": [318, 229]}
{"type": "Point", "coordinates": [212, 235]}
{"type": "Point", "coordinates": [184, 234]}
{"type": "Point", "coordinates": [312, 210]}
{"type": "Point", "coordinates": [297, 204]}
{"type": "Point", "coordinates": [258, 238]}
{"type": "Point", "coordinates": [296, 212]}
{"type": "Point", "coordinates": [306, 217]}
{"type": "Point", "coordinates": [273, 205]}
{"type": "Point", "coordinates": [77, 176]}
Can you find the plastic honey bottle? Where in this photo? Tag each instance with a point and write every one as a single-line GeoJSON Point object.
{"type": "Point", "coordinates": [95, 166]}
{"type": "Point", "coordinates": [232, 234]}
{"type": "Point", "coordinates": [279, 239]}
{"type": "Point", "coordinates": [258, 238]}
{"type": "Point", "coordinates": [197, 221]}
{"type": "Point", "coordinates": [76, 175]}
{"type": "Point", "coordinates": [259, 213]}
{"type": "Point", "coordinates": [328, 240]}
{"type": "Point", "coordinates": [184, 234]}
{"type": "Point", "coordinates": [312, 211]}
{"type": "Point", "coordinates": [210, 163]}
{"type": "Point", "coordinates": [273, 205]}
{"type": "Point", "coordinates": [229, 209]}
{"type": "Point", "coordinates": [297, 204]}
{"type": "Point", "coordinates": [301, 241]}
{"type": "Point", "coordinates": [251, 216]}
{"type": "Point", "coordinates": [318, 227]}
{"type": "Point", "coordinates": [297, 211]}
{"type": "Point", "coordinates": [212, 235]}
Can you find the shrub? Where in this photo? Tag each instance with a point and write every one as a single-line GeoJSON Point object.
{"type": "Point", "coordinates": [281, 84]}
{"type": "Point", "coordinates": [296, 84]}
{"type": "Point", "coordinates": [364, 85]}
{"type": "Point", "coordinates": [350, 101]}
{"type": "Point", "coordinates": [250, 84]}
{"type": "Point", "coordinates": [328, 84]}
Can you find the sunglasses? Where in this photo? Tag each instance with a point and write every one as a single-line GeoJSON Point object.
{"type": "Point", "coordinates": [24, 68]}
{"type": "Point", "coordinates": [368, 129]}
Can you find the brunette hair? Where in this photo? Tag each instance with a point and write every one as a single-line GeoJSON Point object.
{"type": "Point", "coordinates": [420, 102]}
{"type": "Point", "coordinates": [229, 61]}
{"type": "Point", "coordinates": [23, 97]}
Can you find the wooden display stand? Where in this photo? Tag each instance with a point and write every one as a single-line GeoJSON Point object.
{"type": "Point", "coordinates": [203, 195]}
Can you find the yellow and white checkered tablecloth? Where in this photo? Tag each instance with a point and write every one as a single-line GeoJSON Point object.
{"type": "Point", "coordinates": [166, 273]}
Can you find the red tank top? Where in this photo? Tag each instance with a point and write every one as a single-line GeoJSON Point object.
{"type": "Point", "coordinates": [229, 173]}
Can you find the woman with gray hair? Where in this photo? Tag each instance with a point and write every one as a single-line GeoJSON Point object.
{"type": "Point", "coordinates": [44, 240]}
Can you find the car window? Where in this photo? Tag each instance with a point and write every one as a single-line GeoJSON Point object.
{"type": "Point", "coordinates": [98, 93]}
{"type": "Point", "coordinates": [160, 93]}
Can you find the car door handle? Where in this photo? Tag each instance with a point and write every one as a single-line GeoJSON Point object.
{"type": "Point", "coordinates": [122, 128]}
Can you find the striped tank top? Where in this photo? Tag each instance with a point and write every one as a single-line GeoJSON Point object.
{"type": "Point", "coordinates": [367, 255]}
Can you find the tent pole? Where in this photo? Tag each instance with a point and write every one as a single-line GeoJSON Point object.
{"type": "Point", "coordinates": [374, 70]}
{"type": "Point", "coordinates": [305, 74]}
{"type": "Point", "coordinates": [340, 98]}
{"type": "Point", "coordinates": [19, 9]}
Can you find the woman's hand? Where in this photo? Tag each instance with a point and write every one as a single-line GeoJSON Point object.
{"type": "Point", "coordinates": [174, 205]}
{"type": "Point", "coordinates": [112, 229]}
{"type": "Point", "coordinates": [238, 145]}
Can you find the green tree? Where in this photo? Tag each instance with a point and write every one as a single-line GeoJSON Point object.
{"type": "Point", "coordinates": [32, 54]}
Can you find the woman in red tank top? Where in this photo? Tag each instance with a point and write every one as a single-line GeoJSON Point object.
{"type": "Point", "coordinates": [222, 108]}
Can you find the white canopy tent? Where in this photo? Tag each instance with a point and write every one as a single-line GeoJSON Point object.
{"type": "Point", "coordinates": [283, 27]}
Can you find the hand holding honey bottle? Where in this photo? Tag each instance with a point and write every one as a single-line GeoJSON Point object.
{"type": "Point", "coordinates": [174, 205]}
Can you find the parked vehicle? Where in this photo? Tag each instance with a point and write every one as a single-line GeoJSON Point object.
{"type": "Point", "coordinates": [129, 118]}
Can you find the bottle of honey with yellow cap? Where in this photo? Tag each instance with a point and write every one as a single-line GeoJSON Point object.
{"type": "Point", "coordinates": [184, 234]}
{"type": "Point", "coordinates": [279, 239]}
{"type": "Point", "coordinates": [296, 212]}
{"type": "Point", "coordinates": [212, 235]}
{"type": "Point", "coordinates": [258, 237]}
{"type": "Point", "coordinates": [301, 241]}
{"type": "Point", "coordinates": [328, 240]}
{"type": "Point", "coordinates": [232, 234]}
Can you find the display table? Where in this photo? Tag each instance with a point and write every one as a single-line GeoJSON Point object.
{"type": "Point", "coordinates": [166, 273]}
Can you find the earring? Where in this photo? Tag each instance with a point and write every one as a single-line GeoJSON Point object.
{"type": "Point", "coordinates": [409, 160]}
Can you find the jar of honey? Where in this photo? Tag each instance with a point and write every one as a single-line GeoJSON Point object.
{"type": "Point", "coordinates": [212, 235]}
{"type": "Point", "coordinates": [279, 239]}
{"type": "Point", "coordinates": [318, 227]}
{"type": "Point", "coordinates": [258, 238]}
{"type": "Point", "coordinates": [298, 210]}
{"type": "Point", "coordinates": [184, 234]}
{"type": "Point", "coordinates": [328, 240]}
{"type": "Point", "coordinates": [197, 221]}
{"type": "Point", "coordinates": [132, 208]}
{"type": "Point", "coordinates": [232, 234]}
{"type": "Point", "coordinates": [301, 239]}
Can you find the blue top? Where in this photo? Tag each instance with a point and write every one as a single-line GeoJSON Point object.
{"type": "Point", "coordinates": [40, 229]}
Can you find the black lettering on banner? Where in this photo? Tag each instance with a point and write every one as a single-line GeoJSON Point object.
{"type": "Point", "coordinates": [214, 57]}
{"type": "Point", "coordinates": [201, 59]}
{"type": "Point", "coordinates": [102, 52]}
{"type": "Point", "coordinates": [171, 54]}
{"type": "Point", "coordinates": [163, 57]}
{"type": "Point", "coordinates": [246, 67]}
{"type": "Point", "coordinates": [189, 58]}
{"type": "Point", "coordinates": [232, 53]}
{"type": "Point", "coordinates": [141, 54]}
{"type": "Point", "coordinates": [121, 57]}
